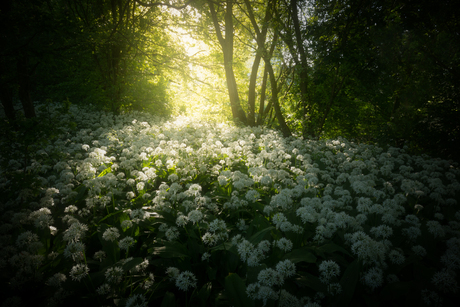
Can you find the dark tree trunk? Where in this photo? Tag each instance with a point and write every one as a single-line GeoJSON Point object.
{"type": "Point", "coordinates": [6, 96]}
{"type": "Point", "coordinates": [24, 85]}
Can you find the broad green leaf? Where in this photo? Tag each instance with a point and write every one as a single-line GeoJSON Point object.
{"type": "Point", "coordinates": [170, 250]}
{"type": "Point", "coordinates": [396, 289]}
{"type": "Point", "coordinates": [204, 293]}
{"type": "Point", "coordinates": [106, 171]}
{"type": "Point", "coordinates": [235, 289]}
{"type": "Point", "coordinates": [169, 300]}
{"type": "Point", "coordinates": [331, 248]}
{"type": "Point", "coordinates": [348, 282]}
{"type": "Point", "coordinates": [259, 236]}
{"type": "Point", "coordinates": [253, 273]}
{"type": "Point", "coordinates": [301, 255]}
{"type": "Point", "coordinates": [311, 281]}
{"type": "Point", "coordinates": [132, 263]}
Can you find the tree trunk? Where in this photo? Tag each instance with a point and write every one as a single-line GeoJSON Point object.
{"type": "Point", "coordinates": [227, 49]}
{"type": "Point", "coordinates": [262, 113]}
{"type": "Point", "coordinates": [279, 116]}
{"type": "Point", "coordinates": [6, 95]}
{"type": "Point", "coordinates": [24, 85]}
{"type": "Point", "coordinates": [252, 89]}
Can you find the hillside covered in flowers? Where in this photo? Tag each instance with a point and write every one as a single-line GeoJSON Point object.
{"type": "Point", "coordinates": [131, 210]}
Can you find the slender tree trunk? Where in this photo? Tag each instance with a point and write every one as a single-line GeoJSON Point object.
{"type": "Point", "coordinates": [279, 116]}
{"type": "Point", "coordinates": [24, 85]}
{"type": "Point", "coordinates": [262, 112]}
{"type": "Point", "coordinates": [6, 95]}
{"type": "Point", "coordinates": [252, 89]}
{"type": "Point", "coordinates": [227, 49]}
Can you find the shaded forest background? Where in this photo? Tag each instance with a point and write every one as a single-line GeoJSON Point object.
{"type": "Point", "coordinates": [381, 72]}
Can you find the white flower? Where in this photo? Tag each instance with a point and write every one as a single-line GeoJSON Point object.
{"type": "Point", "coordinates": [172, 272]}
{"type": "Point", "coordinates": [396, 257]}
{"type": "Point", "coordinates": [446, 281]}
{"type": "Point", "coordinates": [126, 224]}
{"type": "Point", "coordinates": [419, 250]}
{"type": "Point", "coordinates": [126, 243]}
{"type": "Point", "coordinates": [42, 218]}
{"type": "Point", "coordinates": [130, 195]}
{"type": "Point", "coordinates": [244, 249]}
{"type": "Point", "coordinates": [181, 220]}
{"type": "Point", "coordinates": [75, 250]}
{"type": "Point", "coordinates": [195, 216]}
{"type": "Point", "coordinates": [75, 232]}
{"type": "Point", "coordinates": [111, 234]}
{"type": "Point", "coordinates": [435, 228]}
{"type": "Point", "coordinates": [270, 277]}
{"type": "Point", "coordinates": [373, 278]}
{"type": "Point", "coordinates": [186, 280]}
{"type": "Point", "coordinates": [172, 233]}
{"type": "Point", "coordinates": [286, 268]}
{"type": "Point", "coordinates": [137, 300]}
{"type": "Point", "coordinates": [99, 255]}
{"type": "Point", "coordinates": [284, 244]}
{"type": "Point", "coordinates": [328, 269]}
{"type": "Point", "coordinates": [56, 280]}
{"type": "Point", "coordinates": [79, 271]}
{"type": "Point", "coordinates": [114, 275]}
{"type": "Point", "coordinates": [103, 289]}
{"type": "Point", "coordinates": [334, 288]}
{"type": "Point", "coordinates": [205, 256]}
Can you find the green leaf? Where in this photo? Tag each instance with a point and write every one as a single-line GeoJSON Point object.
{"type": "Point", "coordinates": [106, 171]}
{"type": "Point", "coordinates": [311, 281]}
{"type": "Point", "coordinates": [348, 282]}
{"type": "Point", "coordinates": [235, 289]}
{"type": "Point", "coordinates": [204, 293]}
{"type": "Point", "coordinates": [331, 248]}
{"type": "Point", "coordinates": [132, 263]}
{"type": "Point", "coordinates": [396, 289]}
{"type": "Point", "coordinates": [301, 255]}
{"type": "Point", "coordinates": [169, 300]}
{"type": "Point", "coordinates": [170, 250]}
{"type": "Point", "coordinates": [259, 236]}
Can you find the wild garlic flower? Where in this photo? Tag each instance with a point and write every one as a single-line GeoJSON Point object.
{"type": "Point", "coordinates": [26, 238]}
{"type": "Point", "coordinates": [42, 218]}
{"type": "Point", "coordinates": [396, 257]}
{"type": "Point", "coordinates": [137, 300]}
{"type": "Point", "coordinates": [172, 233]}
{"type": "Point", "coordinates": [328, 269]}
{"type": "Point", "coordinates": [79, 271]}
{"type": "Point", "coordinates": [126, 224]}
{"type": "Point", "coordinates": [114, 275]}
{"type": "Point", "coordinates": [283, 244]}
{"type": "Point", "coordinates": [205, 256]}
{"type": "Point", "coordinates": [446, 281]}
{"type": "Point", "coordinates": [195, 216]}
{"type": "Point", "coordinates": [244, 249]}
{"type": "Point", "coordinates": [334, 288]}
{"type": "Point", "coordinates": [172, 272]}
{"type": "Point", "coordinates": [75, 250]}
{"type": "Point", "coordinates": [373, 278]}
{"type": "Point", "coordinates": [99, 255]}
{"type": "Point", "coordinates": [186, 280]}
{"type": "Point", "coordinates": [270, 277]}
{"type": "Point", "coordinates": [75, 232]}
{"type": "Point", "coordinates": [104, 289]}
{"type": "Point", "coordinates": [181, 220]}
{"type": "Point", "coordinates": [111, 234]}
{"type": "Point", "coordinates": [56, 280]}
{"type": "Point", "coordinates": [126, 243]}
{"type": "Point", "coordinates": [435, 228]}
{"type": "Point", "coordinates": [286, 268]}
